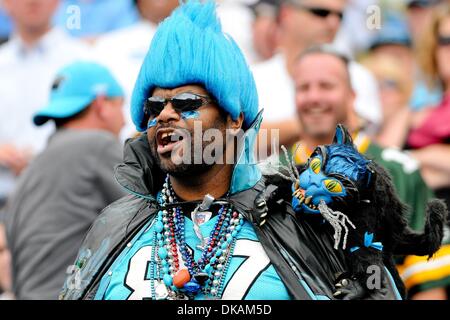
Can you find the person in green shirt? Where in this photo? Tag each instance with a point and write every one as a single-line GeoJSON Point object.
{"type": "Point", "coordinates": [324, 99]}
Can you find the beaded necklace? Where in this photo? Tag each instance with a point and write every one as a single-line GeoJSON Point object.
{"type": "Point", "coordinates": [175, 268]}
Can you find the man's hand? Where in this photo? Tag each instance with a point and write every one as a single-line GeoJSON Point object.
{"type": "Point", "coordinates": [434, 166]}
{"type": "Point", "coordinates": [13, 158]}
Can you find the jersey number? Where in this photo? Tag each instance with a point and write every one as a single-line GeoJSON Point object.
{"type": "Point", "coordinates": [256, 261]}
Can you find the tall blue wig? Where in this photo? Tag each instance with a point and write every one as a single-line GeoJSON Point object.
{"type": "Point", "coordinates": [189, 47]}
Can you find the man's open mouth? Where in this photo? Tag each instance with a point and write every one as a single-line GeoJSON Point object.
{"type": "Point", "coordinates": [319, 110]}
{"type": "Point", "coordinates": [167, 139]}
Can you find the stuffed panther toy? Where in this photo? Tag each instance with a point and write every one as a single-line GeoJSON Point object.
{"type": "Point", "coordinates": [356, 197]}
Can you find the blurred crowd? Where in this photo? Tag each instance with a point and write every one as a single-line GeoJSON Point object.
{"type": "Point", "coordinates": [394, 97]}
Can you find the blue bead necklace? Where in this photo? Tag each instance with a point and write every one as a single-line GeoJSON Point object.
{"type": "Point", "coordinates": [181, 274]}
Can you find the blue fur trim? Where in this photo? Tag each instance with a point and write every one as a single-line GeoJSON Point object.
{"type": "Point", "coordinates": [345, 160]}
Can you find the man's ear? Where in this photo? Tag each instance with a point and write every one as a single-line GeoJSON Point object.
{"type": "Point", "coordinates": [98, 105]}
{"type": "Point", "coordinates": [235, 125]}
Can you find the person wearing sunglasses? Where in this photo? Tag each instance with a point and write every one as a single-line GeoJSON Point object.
{"type": "Point", "coordinates": [319, 11]}
{"type": "Point", "coordinates": [264, 28]}
{"type": "Point", "coordinates": [302, 24]}
{"type": "Point", "coordinates": [418, 13]}
{"type": "Point", "coordinates": [201, 230]}
{"type": "Point", "coordinates": [428, 142]}
{"type": "Point", "coordinates": [185, 103]}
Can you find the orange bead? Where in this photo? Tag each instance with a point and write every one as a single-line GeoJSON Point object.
{"type": "Point", "coordinates": [181, 278]}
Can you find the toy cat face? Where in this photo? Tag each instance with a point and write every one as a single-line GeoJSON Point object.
{"type": "Point", "coordinates": [317, 186]}
{"type": "Point", "coordinates": [335, 174]}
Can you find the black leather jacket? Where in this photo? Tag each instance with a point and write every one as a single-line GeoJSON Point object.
{"type": "Point", "coordinates": [301, 250]}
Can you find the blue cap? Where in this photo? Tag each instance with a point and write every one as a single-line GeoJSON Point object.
{"type": "Point", "coordinates": [394, 31]}
{"type": "Point", "coordinates": [75, 87]}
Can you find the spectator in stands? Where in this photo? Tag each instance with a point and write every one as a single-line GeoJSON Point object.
{"type": "Point", "coordinates": [125, 60]}
{"type": "Point", "coordinates": [91, 18]}
{"type": "Point", "coordinates": [395, 87]}
{"type": "Point", "coordinates": [28, 63]}
{"type": "Point", "coordinates": [419, 13]}
{"type": "Point", "coordinates": [393, 40]}
{"type": "Point", "coordinates": [358, 26]}
{"type": "Point", "coordinates": [325, 99]}
{"type": "Point", "coordinates": [69, 183]}
{"type": "Point", "coordinates": [264, 28]}
{"type": "Point", "coordinates": [303, 23]}
{"type": "Point", "coordinates": [430, 132]}
{"type": "Point", "coordinates": [236, 19]}
{"type": "Point", "coordinates": [429, 143]}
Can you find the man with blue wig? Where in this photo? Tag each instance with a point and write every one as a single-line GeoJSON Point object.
{"type": "Point", "coordinates": [201, 221]}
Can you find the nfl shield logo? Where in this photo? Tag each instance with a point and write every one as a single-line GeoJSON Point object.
{"type": "Point", "coordinates": [202, 217]}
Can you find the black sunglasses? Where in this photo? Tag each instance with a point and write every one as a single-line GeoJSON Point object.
{"type": "Point", "coordinates": [320, 12]}
{"type": "Point", "coordinates": [421, 4]}
{"type": "Point", "coordinates": [443, 40]}
{"type": "Point", "coordinates": [181, 102]}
